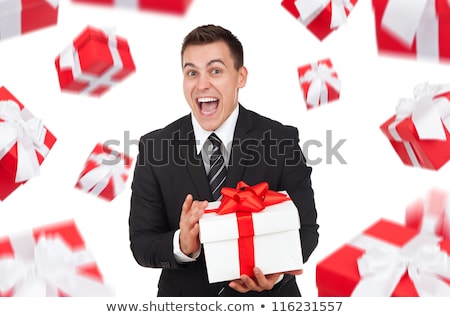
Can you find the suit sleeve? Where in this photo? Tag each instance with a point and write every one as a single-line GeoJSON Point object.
{"type": "Point", "coordinates": [151, 238]}
{"type": "Point", "coordinates": [296, 179]}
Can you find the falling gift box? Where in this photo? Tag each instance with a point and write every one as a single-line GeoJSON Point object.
{"type": "Point", "coordinates": [417, 29]}
{"type": "Point", "coordinates": [94, 62]}
{"type": "Point", "coordinates": [319, 83]}
{"type": "Point", "coordinates": [22, 16]}
{"type": "Point", "coordinates": [387, 259]}
{"type": "Point", "coordinates": [420, 130]}
{"type": "Point", "coordinates": [176, 7]}
{"type": "Point", "coordinates": [252, 226]}
{"type": "Point", "coordinates": [430, 213]}
{"type": "Point", "coordinates": [105, 173]}
{"type": "Point", "coordinates": [321, 17]}
{"type": "Point", "coordinates": [24, 143]}
{"type": "Point", "coordinates": [49, 261]}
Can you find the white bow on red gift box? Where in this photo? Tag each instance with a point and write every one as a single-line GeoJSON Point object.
{"type": "Point", "coordinates": [430, 113]}
{"type": "Point", "coordinates": [45, 267]}
{"type": "Point", "coordinates": [321, 77]}
{"type": "Point", "coordinates": [22, 128]}
{"type": "Point", "coordinates": [98, 178]}
{"type": "Point", "coordinates": [418, 21]}
{"type": "Point", "coordinates": [384, 264]}
{"type": "Point", "coordinates": [69, 59]}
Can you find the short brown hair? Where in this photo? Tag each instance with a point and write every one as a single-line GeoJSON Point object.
{"type": "Point", "coordinates": [207, 34]}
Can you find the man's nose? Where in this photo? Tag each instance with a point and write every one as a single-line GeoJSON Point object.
{"type": "Point", "coordinates": [203, 82]}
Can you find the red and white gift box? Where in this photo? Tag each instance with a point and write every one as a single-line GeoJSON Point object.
{"type": "Point", "coordinates": [250, 227]}
{"type": "Point", "coordinates": [319, 82]}
{"type": "Point", "coordinates": [105, 173]}
{"type": "Point", "coordinates": [22, 16]}
{"type": "Point", "coordinates": [431, 213]}
{"type": "Point", "coordinates": [420, 130]}
{"type": "Point", "coordinates": [416, 29]}
{"type": "Point", "coordinates": [94, 62]}
{"type": "Point", "coordinates": [387, 259]}
{"type": "Point", "coordinates": [321, 17]}
{"type": "Point", "coordinates": [24, 143]}
{"type": "Point", "coordinates": [177, 7]}
{"type": "Point", "coordinates": [49, 261]}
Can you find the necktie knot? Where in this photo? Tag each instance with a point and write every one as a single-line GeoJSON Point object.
{"type": "Point", "coordinates": [214, 139]}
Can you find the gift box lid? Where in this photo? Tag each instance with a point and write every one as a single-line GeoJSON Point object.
{"type": "Point", "coordinates": [7, 6]}
{"type": "Point", "coordinates": [276, 218]}
{"type": "Point", "coordinates": [91, 33]}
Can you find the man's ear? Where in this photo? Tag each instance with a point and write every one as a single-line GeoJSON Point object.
{"type": "Point", "coordinates": [242, 77]}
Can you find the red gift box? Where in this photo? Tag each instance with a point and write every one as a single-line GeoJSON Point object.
{"type": "Point", "coordinates": [250, 226]}
{"type": "Point", "coordinates": [49, 261]}
{"type": "Point", "coordinates": [22, 16]}
{"type": "Point", "coordinates": [415, 29]}
{"type": "Point", "coordinates": [321, 17]}
{"type": "Point", "coordinates": [24, 143]}
{"type": "Point", "coordinates": [430, 213]}
{"type": "Point", "coordinates": [319, 83]}
{"type": "Point", "coordinates": [419, 132]}
{"type": "Point", "coordinates": [177, 7]}
{"type": "Point", "coordinates": [388, 259]}
{"type": "Point", "coordinates": [94, 62]}
{"type": "Point", "coordinates": [105, 173]}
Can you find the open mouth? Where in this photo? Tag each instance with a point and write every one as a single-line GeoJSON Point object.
{"type": "Point", "coordinates": [208, 105]}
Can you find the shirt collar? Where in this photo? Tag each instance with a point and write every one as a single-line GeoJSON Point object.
{"type": "Point", "coordinates": [225, 132]}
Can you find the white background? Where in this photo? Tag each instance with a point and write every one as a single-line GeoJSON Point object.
{"type": "Point", "coordinates": [373, 184]}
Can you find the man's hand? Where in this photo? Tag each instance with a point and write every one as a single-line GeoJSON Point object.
{"type": "Point", "coordinates": [191, 211]}
{"type": "Point", "coordinates": [259, 282]}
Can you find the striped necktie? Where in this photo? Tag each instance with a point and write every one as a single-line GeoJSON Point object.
{"type": "Point", "coordinates": [218, 170]}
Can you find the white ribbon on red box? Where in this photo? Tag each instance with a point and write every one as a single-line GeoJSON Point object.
{"type": "Point", "coordinates": [69, 59]}
{"type": "Point", "coordinates": [320, 75]}
{"type": "Point", "coordinates": [383, 265]}
{"type": "Point", "coordinates": [433, 212]}
{"type": "Point", "coordinates": [96, 180]}
{"type": "Point", "coordinates": [309, 10]}
{"type": "Point", "coordinates": [12, 25]}
{"type": "Point", "coordinates": [430, 115]}
{"type": "Point", "coordinates": [127, 3]}
{"type": "Point", "coordinates": [22, 128]}
{"type": "Point", "coordinates": [44, 267]}
{"type": "Point", "coordinates": [409, 20]}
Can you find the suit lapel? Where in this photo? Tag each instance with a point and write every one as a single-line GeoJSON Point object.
{"type": "Point", "coordinates": [193, 161]}
{"type": "Point", "coordinates": [241, 140]}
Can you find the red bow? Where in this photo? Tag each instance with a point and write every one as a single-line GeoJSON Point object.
{"type": "Point", "coordinates": [245, 198]}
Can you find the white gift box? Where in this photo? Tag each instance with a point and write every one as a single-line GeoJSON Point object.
{"type": "Point", "coordinates": [276, 241]}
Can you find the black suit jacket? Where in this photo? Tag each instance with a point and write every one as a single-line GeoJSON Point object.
{"type": "Point", "coordinates": [168, 168]}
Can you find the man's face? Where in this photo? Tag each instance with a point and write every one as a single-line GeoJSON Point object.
{"type": "Point", "coordinates": [211, 83]}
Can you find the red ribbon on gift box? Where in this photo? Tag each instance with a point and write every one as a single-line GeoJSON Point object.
{"type": "Point", "coordinates": [245, 200]}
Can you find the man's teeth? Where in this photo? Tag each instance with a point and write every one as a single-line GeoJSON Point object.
{"type": "Point", "coordinates": [206, 99]}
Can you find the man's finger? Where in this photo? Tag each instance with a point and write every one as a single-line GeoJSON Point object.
{"type": "Point", "coordinates": [187, 204]}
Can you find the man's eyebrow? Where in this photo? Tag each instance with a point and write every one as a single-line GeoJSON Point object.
{"type": "Point", "coordinates": [218, 60]}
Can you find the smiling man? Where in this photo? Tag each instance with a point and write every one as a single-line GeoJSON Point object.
{"type": "Point", "coordinates": [185, 164]}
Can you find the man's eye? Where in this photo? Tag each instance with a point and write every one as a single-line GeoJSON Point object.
{"type": "Point", "coordinates": [216, 71]}
{"type": "Point", "coordinates": [191, 73]}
